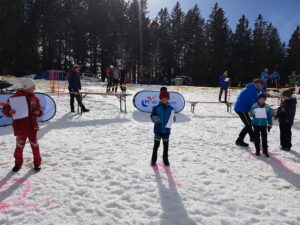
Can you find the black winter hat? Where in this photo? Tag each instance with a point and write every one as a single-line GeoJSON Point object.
{"type": "Point", "coordinates": [163, 89]}
{"type": "Point", "coordinates": [262, 96]}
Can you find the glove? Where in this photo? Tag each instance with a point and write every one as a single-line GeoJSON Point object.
{"type": "Point", "coordinates": [12, 112]}
{"type": "Point", "coordinates": [36, 112]}
{"type": "Point", "coordinates": [156, 119]}
{"type": "Point", "coordinates": [269, 128]}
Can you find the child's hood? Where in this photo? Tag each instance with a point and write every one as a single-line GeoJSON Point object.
{"type": "Point", "coordinates": [291, 101]}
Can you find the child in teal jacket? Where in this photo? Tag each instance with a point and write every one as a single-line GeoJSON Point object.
{"type": "Point", "coordinates": [161, 114]}
{"type": "Point", "coordinates": [261, 114]}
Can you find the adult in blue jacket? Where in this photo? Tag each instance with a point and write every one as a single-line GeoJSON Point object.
{"type": "Point", "coordinates": [275, 78]}
{"type": "Point", "coordinates": [265, 76]}
{"type": "Point", "coordinates": [246, 99]}
{"type": "Point", "coordinates": [224, 83]}
{"type": "Point", "coordinates": [75, 87]}
{"type": "Point", "coordinates": [161, 115]}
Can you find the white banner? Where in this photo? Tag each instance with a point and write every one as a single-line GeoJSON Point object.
{"type": "Point", "coordinates": [47, 104]}
{"type": "Point", "coordinates": [146, 100]}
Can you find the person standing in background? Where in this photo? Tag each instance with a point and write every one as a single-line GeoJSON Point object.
{"type": "Point", "coordinates": [265, 77]}
{"type": "Point", "coordinates": [275, 79]}
{"type": "Point", "coordinates": [293, 79]}
{"type": "Point", "coordinates": [224, 84]}
{"type": "Point", "coordinates": [123, 79]}
{"type": "Point", "coordinates": [75, 87]}
{"type": "Point", "coordinates": [116, 77]}
{"type": "Point", "coordinates": [108, 74]}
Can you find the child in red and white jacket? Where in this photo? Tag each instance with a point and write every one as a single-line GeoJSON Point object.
{"type": "Point", "coordinates": [26, 127]}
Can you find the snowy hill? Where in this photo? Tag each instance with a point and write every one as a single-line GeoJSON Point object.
{"type": "Point", "coordinates": [96, 169]}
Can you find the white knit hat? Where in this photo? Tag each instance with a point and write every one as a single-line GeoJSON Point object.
{"type": "Point", "coordinates": [27, 83]}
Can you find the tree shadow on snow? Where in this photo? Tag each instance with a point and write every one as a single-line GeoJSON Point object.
{"type": "Point", "coordinates": [145, 117]}
{"type": "Point", "coordinates": [66, 122]}
{"type": "Point", "coordinates": [174, 211]}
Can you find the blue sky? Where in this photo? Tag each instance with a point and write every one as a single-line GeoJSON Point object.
{"type": "Point", "coordinates": [284, 14]}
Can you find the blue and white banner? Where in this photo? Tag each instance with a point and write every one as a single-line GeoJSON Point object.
{"type": "Point", "coordinates": [47, 104]}
{"type": "Point", "coordinates": [146, 100]}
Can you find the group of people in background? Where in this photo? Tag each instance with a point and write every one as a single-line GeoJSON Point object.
{"type": "Point", "coordinates": [116, 76]}
{"type": "Point", "coordinates": [257, 117]}
{"type": "Point", "coordinates": [272, 79]}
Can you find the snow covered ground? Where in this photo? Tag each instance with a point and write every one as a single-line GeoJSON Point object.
{"type": "Point", "coordinates": [96, 170]}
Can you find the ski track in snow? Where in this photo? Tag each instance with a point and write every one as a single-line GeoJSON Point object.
{"type": "Point", "coordinates": [96, 169]}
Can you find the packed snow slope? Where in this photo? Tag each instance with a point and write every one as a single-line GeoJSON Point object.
{"type": "Point", "coordinates": [96, 169]}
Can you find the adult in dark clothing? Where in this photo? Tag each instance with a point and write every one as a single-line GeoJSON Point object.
{"type": "Point", "coordinates": [224, 83]}
{"type": "Point", "coordinates": [75, 87]}
{"type": "Point", "coordinates": [116, 77]}
{"type": "Point", "coordinates": [286, 115]}
{"type": "Point", "coordinates": [242, 107]}
{"type": "Point", "coordinates": [108, 74]}
{"type": "Point", "coordinates": [123, 80]}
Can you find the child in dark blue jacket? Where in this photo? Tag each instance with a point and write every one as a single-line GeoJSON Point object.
{"type": "Point", "coordinates": [261, 114]}
{"type": "Point", "coordinates": [161, 114]}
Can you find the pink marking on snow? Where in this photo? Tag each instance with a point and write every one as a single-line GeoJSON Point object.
{"type": "Point", "coordinates": [282, 162]}
{"type": "Point", "coordinates": [24, 193]}
{"type": "Point", "coordinates": [4, 206]}
{"type": "Point", "coordinates": [51, 202]}
{"type": "Point", "coordinates": [166, 170]}
{"type": "Point", "coordinates": [30, 206]}
{"type": "Point", "coordinates": [7, 205]}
